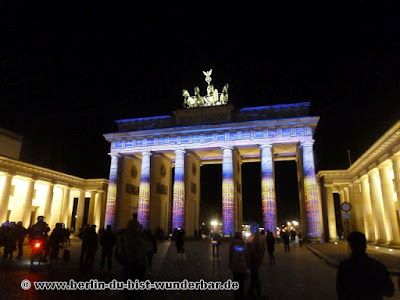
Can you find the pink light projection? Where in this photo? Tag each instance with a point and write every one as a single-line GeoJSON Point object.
{"type": "Point", "coordinates": [268, 188]}
{"type": "Point", "coordinates": [228, 192]}
{"type": "Point", "coordinates": [178, 205]}
{"type": "Point", "coordinates": [312, 204]}
{"type": "Point", "coordinates": [144, 191]}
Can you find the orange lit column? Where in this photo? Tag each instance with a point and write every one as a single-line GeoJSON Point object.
{"type": "Point", "coordinates": [91, 208]}
{"type": "Point", "coordinates": [64, 212]}
{"type": "Point", "coordinates": [376, 203]}
{"type": "Point", "coordinates": [178, 204]}
{"type": "Point", "coordinates": [268, 188]}
{"type": "Point", "coordinates": [79, 211]}
{"type": "Point", "coordinates": [312, 199]}
{"type": "Point", "coordinates": [28, 203]}
{"type": "Point", "coordinates": [389, 208]}
{"type": "Point", "coordinates": [330, 205]}
{"type": "Point", "coordinates": [369, 224]}
{"type": "Point", "coordinates": [49, 201]}
{"type": "Point", "coordinates": [228, 190]}
{"type": "Point", "coordinates": [144, 191]}
{"type": "Point", "coordinates": [396, 170]}
{"type": "Point", "coordinates": [5, 198]}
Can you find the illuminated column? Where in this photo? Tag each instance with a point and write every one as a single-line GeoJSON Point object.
{"type": "Point", "coordinates": [228, 192]}
{"type": "Point", "coordinates": [389, 208]}
{"type": "Point", "coordinates": [396, 171]}
{"type": "Point", "coordinates": [268, 188]}
{"type": "Point", "coordinates": [79, 211]}
{"type": "Point", "coordinates": [353, 212]}
{"type": "Point", "coordinates": [91, 208]}
{"type": "Point", "coordinates": [65, 205]}
{"type": "Point", "coordinates": [312, 200]}
{"type": "Point", "coordinates": [178, 204]}
{"type": "Point", "coordinates": [97, 209]}
{"type": "Point", "coordinates": [331, 213]}
{"type": "Point", "coordinates": [369, 224]}
{"type": "Point", "coordinates": [28, 203]}
{"type": "Point", "coordinates": [112, 191]}
{"type": "Point", "coordinates": [144, 191]}
{"type": "Point", "coordinates": [49, 201]}
{"type": "Point", "coordinates": [5, 198]}
{"type": "Point", "coordinates": [357, 208]}
{"type": "Point", "coordinates": [377, 203]}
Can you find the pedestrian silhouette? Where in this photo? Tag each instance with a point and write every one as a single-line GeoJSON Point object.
{"type": "Point", "coordinates": [270, 246]}
{"type": "Point", "coordinates": [286, 241]}
{"type": "Point", "coordinates": [21, 234]}
{"type": "Point", "coordinates": [215, 242]}
{"type": "Point", "coordinates": [362, 277]}
{"type": "Point", "coordinates": [92, 240]}
{"type": "Point", "coordinates": [239, 262]}
{"type": "Point", "coordinates": [107, 241]}
{"type": "Point", "coordinates": [179, 243]}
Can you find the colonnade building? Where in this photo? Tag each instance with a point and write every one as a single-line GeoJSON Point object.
{"type": "Point", "coordinates": [372, 187]}
{"type": "Point", "coordinates": [145, 150]}
{"type": "Point", "coordinates": [28, 191]}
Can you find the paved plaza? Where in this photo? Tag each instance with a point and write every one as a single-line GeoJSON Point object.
{"type": "Point", "coordinates": [306, 272]}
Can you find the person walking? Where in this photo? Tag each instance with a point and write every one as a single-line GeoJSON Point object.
{"type": "Point", "coordinates": [239, 262]}
{"type": "Point", "coordinates": [83, 232]}
{"type": "Point", "coordinates": [286, 241]}
{"type": "Point", "coordinates": [92, 240]}
{"type": "Point", "coordinates": [107, 241]}
{"type": "Point", "coordinates": [21, 232]}
{"type": "Point", "coordinates": [270, 239]}
{"type": "Point", "coordinates": [362, 277]}
{"type": "Point", "coordinates": [153, 250]}
{"type": "Point", "coordinates": [179, 243]}
{"type": "Point", "coordinates": [215, 241]}
{"type": "Point", "coordinates": [257, 245]}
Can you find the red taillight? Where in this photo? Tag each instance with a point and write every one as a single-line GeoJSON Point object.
{"type": "Point", "coordinates": [37, 245]}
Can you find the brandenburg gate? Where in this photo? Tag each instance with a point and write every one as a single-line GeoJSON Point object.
{"type": "Point", "coordinates": [208, 130]}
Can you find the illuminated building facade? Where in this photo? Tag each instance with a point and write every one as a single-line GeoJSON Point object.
{"type": "Point", "coordinates": [372, 186]}
{"type": "Point", "coordinates": [209, 131]}
{"type": "Point", "coordinates": [28, 191]}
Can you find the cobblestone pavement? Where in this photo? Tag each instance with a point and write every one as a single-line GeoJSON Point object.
{"type": "Point", "coordinates": [298, 274]}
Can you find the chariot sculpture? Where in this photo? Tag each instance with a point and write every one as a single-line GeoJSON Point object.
{"type": "Point", "coordinates": [213, 98]}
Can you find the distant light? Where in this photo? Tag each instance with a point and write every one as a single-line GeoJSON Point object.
{"type": "Point", "coordinates": [76, 216]}
{"type": "Point", "coordinates": [214, 223]}
{"type": "Point", "coordinates": [376, 247]}
{"type": "Point", "coordinates": [289, 223]}
{"type": "Point", "coordinates": [335, 243]}
{"type": "Point", "coordinates": [203, 224]}
{"type": "Point", "coordinates": [390, 250]}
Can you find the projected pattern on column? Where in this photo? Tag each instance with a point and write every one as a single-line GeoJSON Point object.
{"type": "Point", "coordinates": [178, 205]}
{"type": "Point", "coordinates": [144, 191]}
{"type": "Point", "coordinates": [228, 190]}
{"type": "Point", "coordinates": [312, 205]}
{"type": "Point", "coordinates": [268, 188]}
{"type": "Point", "coordinates": [112, 192]}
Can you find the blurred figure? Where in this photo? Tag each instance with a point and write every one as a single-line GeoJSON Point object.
{"type": "Point", "coordinates": [361, 277]}
{"type": "Point", "coordinates": [153, 250]}
{"type": "Point", "coordinates": [239, 262]}
{"type": "Point", "coordinates": [179, 243]}
{"type": "Point", "coordinates": [40, 231]}
{"type": "Point", "coordinates": [56, 240]}
{"type": "Point", "coordinates": [21, 232]}
{"type": "Point", "coordinates": [300, 236]}
{"type": "Point", "coordinates": [215, 241]}
{"type": "Point", "coordinates": [107, 241]}
{"type": "Point", "coordinates": [286, 241]}
{"type": "Point", "coordinates": [83, 233]}
{"type": "Point", "coordinates": [92, 240]}
{"type": "Point", "coordinates": [11, 238]}
{"type": "Point", "coordinates": [257, 245]}
{"type": "Point", "coordinates": [270, 239]}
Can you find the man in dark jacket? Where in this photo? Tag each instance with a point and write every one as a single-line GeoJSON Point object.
{"type": "Point", "coordinates": [21, 234]}
{"type": "Point", "coordinates": [107, 241]}
{"type": "Point", "coordinates": [361, 277]}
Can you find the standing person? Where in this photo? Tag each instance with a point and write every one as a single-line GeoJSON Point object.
{"type": "Point", "coordinates": [153, 250]}
{"type": "Point", "coordinates": [215, 241]}
{"type": "Point", "coordinates": [92, 240]}
{"type": "Point", "coordinates": [362, 277]}
{"type": "Point", "coordinates": [56, 240]}
{"type": "Point", "coordinates": [179, 243]}
{"type": "Point", "coordinates": [132, 246]}
{"type": "Point", "coordinates": [257, 246]}
{"type": "Point", "coordinates": [239, 262]}
{"type": "Point", "coordinates": [270, 239]}
{"type": "Point", "coordinates": [10, 244]}
{"type": "Point", "coordinates": [83, 232]}
{"type": "Point", "coordinates": [286, 242]}
{"type": "Point", "coordinates": [21, 234]}
{"type": "Point", "coordinates": [107, 241]}
{"type": "Point", "coordinates": [300, 235]}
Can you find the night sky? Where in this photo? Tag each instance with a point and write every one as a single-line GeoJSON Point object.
{"type": "Point", "coordinates": [68, 71]}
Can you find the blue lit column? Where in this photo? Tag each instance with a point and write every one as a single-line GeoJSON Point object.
{"type": "Point", "coordinates": [312, 199]}
{"type": "Point", "coordinates": [144, 191]}
{"type": "Point", "coordinates": [228, 190]}
{"type": "Point", "coordinates": [112, 191]}
{"type": "Point", "coordinates": [178, 204]}
{"type": "Point", "coordinates": [268, 188]}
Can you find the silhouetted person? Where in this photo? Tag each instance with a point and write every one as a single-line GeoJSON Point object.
{"type": "Point", "coordinates": [300, 235]}
{"type": "Point", "coordinates": [239, 262]}
{"type": "Point", "coordinates": [361, 277]}
{"type": "Point", "coordinates": [286, 241]}
{"type": "Point", "coordinates": [179, 243]}
{"type": "Point", "coordinates": [257, 245]}
{"type": "Point", "coordinates": [153, 250]}
{"type": "Point", "coordinates": [215, 241]}
{"type": "Point", "coordinates": [293, 236]}
{"type": "Point", "coordinates": [83, 232]}
{"type": "Point", "coordinates": [21, 232]}
{"type": "Point", "coordinates": [270, 246]}
{"type": "Point", "coordinates": [107, 241]}
{"type": "Point", "coordinates": [10, 244]}
{"type": "Point", "coordinates": [56, 239]}
{"type": "Point", "coordinates": [92, 240]}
